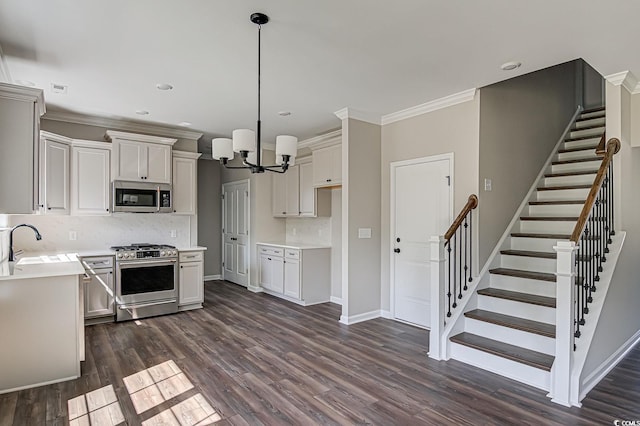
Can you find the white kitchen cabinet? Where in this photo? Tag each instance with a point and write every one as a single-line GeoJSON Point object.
{"type": "Point", "coordinates": [327, 166]}
{"type": "Point", "coordinates": [20, 111]}
{"type": "Point", "coordinates": [301, 275]}
{"type": "Point", "coordinates": [314, 202]}
{"type": "Point", "coordinates": [286, 193]}
{"type": "Point", "coordinates": [54, 173]}
{"type": "Point", "coordinates": [99, 300]}
{"type": "Point", "coordinates": [90, 178]}
{"type": "Point", "coordinates": [185, 182]}
{"type": "Point", "coordinates": [191, 280]}
{"type": "Point", "coordinates": [141, 157]}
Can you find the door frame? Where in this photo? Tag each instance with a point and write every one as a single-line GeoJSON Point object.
{"type": "Point", "coordinates": [392, 216]}
{"type": "Point", "coordinates": [222, 205]}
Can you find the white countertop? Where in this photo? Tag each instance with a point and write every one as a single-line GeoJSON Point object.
{"type": "Point", "coordinates": [299, 246]}
{"type": "Point", "coordinates": [194, 248]}
{"type": "Point", "coordinates": [42, 266]}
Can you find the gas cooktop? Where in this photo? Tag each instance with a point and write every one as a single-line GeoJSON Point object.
{"type": "Point", "coordinates": [143, 251]}
{"type": "Point", "coordinates": [142, 246]}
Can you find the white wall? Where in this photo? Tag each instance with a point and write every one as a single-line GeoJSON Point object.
{"type": "Point", "coordinates": [98, 232]}
{"type": "Point", "coordinates": [336, 244]}
{"type": "Point", "coordinates": [453, 129]}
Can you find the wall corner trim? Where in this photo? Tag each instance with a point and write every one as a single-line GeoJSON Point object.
{"type": "Point", "coordinates": [355, 114]}
{"type": "Point", "coordinates": [626, 79]}
{"type": "Point", "coordinates": [436, 104]}
{"type": "Point", "coordinates": [336, 300]}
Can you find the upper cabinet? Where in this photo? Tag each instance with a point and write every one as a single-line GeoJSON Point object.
{"type": "Point", "coordinates": [185, 182]}
{"type": "Point", "coordinates": [141, 157]}
{"type": "Point", "coordinates": [327, 166]}
{"type": "Point", "coordinates": [54, 173]}
{"type": "Point", "coordinates": [20, 111]}
{"type": "Point", "coordinates": [90, 178]}
{"type": "Point", "coordinates": [285, 193]}
{"type": "Point", "coordinates": [294, 194]}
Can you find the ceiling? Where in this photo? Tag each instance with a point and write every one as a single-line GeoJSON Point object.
{"type": "Point", "coordinates": [374, 56]}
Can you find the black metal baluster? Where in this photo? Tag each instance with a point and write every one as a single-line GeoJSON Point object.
{"type": "Point", "coordinates": [455, 273]}
{"type": "Point", "coordinates": [466, 250]}
{"type": "Point", "coordinates": [460, 263]}
{"type": "Point", "coordinates": [449, 280]}
{"type": "Point", "coordinates": [613, 223]}
{"type": "Point", "coordinates": [470, 246]}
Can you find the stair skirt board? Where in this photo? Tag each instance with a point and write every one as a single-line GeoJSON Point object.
{"type": "Point", "coordinates": [504, 367]}
{"type": "Point", "coordinates": [517, 309]}
{"type": "Point", "coordinates": [525, 339]}
{"type": "Point", "coordinates": [524, 285]}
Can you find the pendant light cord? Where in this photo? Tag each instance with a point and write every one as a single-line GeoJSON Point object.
{"type": "Point", "coordinates": [259, 124]}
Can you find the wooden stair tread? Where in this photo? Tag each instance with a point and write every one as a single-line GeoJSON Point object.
{"type": "Point", "coordinates": [582, 138]}
{"type": "Point", "coordinates": [577, 173]}
{"type": "Point", "coordinates": [555, 202]}
{"type": "Point", "coordinates": [590, 110]}
{"type": "Point", "coordinates": [590, 118]}
{"type": "Point", "coordinates": [563, 187]}
{"type": "Point", "coordinates": [578, 149]}
{"type": "Point", "coordinates": [576, 160]}
{"type": "Point", "coordinates": [550, 236]}
{"type": "Point", "coordinates": [595, 126]}
{"type": "Point", "coordinates": [535, 327]}
{"type": "Point", "coordinates": [549, 302]}
{"type": "Point", "coordinates": [527, 253]}
{"type": "Point", "coordinates": [504, 350]}
{"type": "Point", "coordinates": [518, 273]}
{"type": "Point", "coordinates": [550, 218]}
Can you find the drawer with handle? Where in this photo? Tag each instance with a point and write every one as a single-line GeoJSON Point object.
{"type": "Point", "coordinates": [191, 256]}
{"type": "Point", "coordinates": [271, 251]}
{"type": "Point", "coordinates": [292, 254]}
{"type": "Point", "coordinates": [97, 262]}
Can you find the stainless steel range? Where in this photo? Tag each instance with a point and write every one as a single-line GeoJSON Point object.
{"type": "Point", "coordinates": [146, 280]}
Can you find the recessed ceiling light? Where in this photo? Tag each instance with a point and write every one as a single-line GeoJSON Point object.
{"type": "Point", "coordinates": [25, 83]}
{"type": "Point", "coordinates": [184, 124]}
{"type": "Point", "coordinates": [164, 86]}
{"type": "Point", "coordinates": [284, 113]}
{"type": "Point", "coordinates": [508, 66]}
{"type": "Point", "coordinates": [59, 88]}
{"type": "Point", "coordinates": [142, 112]}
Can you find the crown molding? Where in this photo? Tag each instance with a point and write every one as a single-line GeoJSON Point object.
{"type": "Point", "coordinates": [56, 138]}
{"type": "Point", "coordinates": [23, 93]}
{"type": "Point", "coordinates": [121, 124]}
{"type": "Point", "coordinates": [83, 143]}
{"type": "Point", "coordinates": [185, 154]}
{"type": "Point", "coordinates": [112, 134]}
{"type": "Point", "coordinates": [358, 115]}
{"type": "Point", "coordinates": [625, 79]}
{"type": "Point", "coordinates": [436, 104]}
{"type": "Point", "coordinates": [327, 139]}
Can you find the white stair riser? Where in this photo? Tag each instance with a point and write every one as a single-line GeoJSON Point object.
{"type": "Point", "coordinates": [517, 309]}
{"type": "Point", "coordinates": [576, 167]}
{"type": "Point", "coordinates": [563, 194]}
{"type": "Point", "coordinates": [524, 285]}
{"type": "Point", "coordinates": [598, 121]}
{"type": "Point", "coordinates": [582, 143]}
{"type": "Point", "coordinates": [547, 226]}
{"type": "Point", "coordinates": [592, 114]}
{"type": "Point", "coordinates": [526, 263]}
{"type": "Point", "coordinates": [511, 336]}
{"type": "Point", "coordinates": [535, 377]}
{"type": "Point", "coordinates": [555, 210]}
{"type": "Point", "coordinates": [571, 155]}
{"type": "Point", "coordinates": [569, 180]}
{"type": "Point", "coordinates": [533, 244]}
{"type": "Point", "coordinates": [598, 131]}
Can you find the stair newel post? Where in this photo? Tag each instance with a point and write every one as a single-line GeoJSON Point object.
{"type": "Point", "coordinates": [436, 347]}
{"type": "Point", "coordinates": [565, 320]}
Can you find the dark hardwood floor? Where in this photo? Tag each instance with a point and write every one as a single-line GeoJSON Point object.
{"type": "Point", "coordinates": [259, 360]}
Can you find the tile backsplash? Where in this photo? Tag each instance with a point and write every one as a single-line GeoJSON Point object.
{"type": "Point", "coordinates": [309, 230]}
{"type": "Point", "coordinates": [98, 232]}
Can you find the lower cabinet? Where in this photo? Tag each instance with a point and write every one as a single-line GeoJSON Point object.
{"type": "Point", "coordinates": [191, 280]}
{"type": "Point", "coordinates": [99, 301]}
{"type": "Point", "coordinates": [301, 275]}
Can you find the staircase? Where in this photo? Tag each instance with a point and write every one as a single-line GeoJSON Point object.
{"type": "Point", "coordinates": [512, 330]}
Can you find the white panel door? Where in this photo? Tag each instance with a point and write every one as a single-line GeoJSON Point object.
{"type": "Point", "coordinates": [235, 232]}
{"type": "Point", "coordinates": [422, 208]}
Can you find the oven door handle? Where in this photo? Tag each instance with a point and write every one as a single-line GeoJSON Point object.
{"type": "Point", "coordinates": [150, 262]}
{"type": "Point", "coordinates": [144, 305]}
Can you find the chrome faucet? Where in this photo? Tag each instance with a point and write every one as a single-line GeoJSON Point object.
{"type": "Point", "coordinates": [38, 237]}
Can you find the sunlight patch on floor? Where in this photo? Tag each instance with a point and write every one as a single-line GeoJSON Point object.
{"type": "Point", "coordinates": [194, 411]}
{"type": "Point", "coordinates": [98, 407]}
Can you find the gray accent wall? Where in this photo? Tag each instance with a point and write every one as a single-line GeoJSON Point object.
{"type": "Point", "coordinates": [210, 214]}
{"type": "Point", "coordinates": [592, 87]}
{"type": "Point", "coordinates": [521, 120]}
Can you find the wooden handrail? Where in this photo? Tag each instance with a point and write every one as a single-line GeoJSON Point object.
{"type": "Point", "coordinates": [472, 203]}
{"type": "Point", "coordinates": [613, 146]}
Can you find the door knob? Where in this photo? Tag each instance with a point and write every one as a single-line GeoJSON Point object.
{"type": "Point", "coordinates": [397, 250]}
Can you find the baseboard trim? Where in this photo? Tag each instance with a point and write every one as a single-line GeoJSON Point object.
{"type": "Point", "coordinates": [212, 277]}
{"type": "Point", "coordinates": [253, 289]}
{"type": "Point", "coordinates": [354, 319]}
{"type": "Point", "coordinates": [386, 314]}
{"type": "Point", "coordinates": [605, 368]}
{"type": "Point", "coordinates": [35, 385]}
{"type": "Point", "coordinates": [336, 300]}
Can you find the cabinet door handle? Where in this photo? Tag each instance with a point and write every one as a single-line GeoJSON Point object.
{"type": "Point", "coordinates": [396, 250]}
{"type": "Point", "coordinates": [284, 212]}
{"type": "Point", "coordinates": [328, 180]}
{"type": "Point", "coordinates": [269, 258]}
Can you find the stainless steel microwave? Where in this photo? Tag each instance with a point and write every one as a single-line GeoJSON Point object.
{"type": "Point", "coordinates": [141, 197]}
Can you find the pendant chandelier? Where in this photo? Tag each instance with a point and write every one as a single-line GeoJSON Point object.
{"type": "Point", "coordinates": [245, 142]}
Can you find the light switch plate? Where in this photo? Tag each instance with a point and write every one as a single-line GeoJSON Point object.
{"type": "Point", "coordinates": [364, 232]}
{"type": "Point", "coordinates": [487, 184]}
{"type": "Point", "coordinates": [73, 235]}
{"type": "Point", "coordinates": [174, 234]}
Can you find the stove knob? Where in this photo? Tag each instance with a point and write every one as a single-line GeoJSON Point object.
{"type": "Point", "coordinates": [163, 253]}
{"type": "Point", "coordinates": [119, 255]}
{"type": "Point", "coordinates": [175, 253]}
